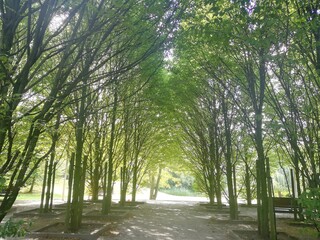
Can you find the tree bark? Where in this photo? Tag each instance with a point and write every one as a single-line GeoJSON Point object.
{"type": "Point", "coordinates": [248, 185]}
{"type": "Point", "coordinates": [156, 188]}
{"type": "Point", "coordinates": [124, 174]}
{"type": "Point", "coordinates": [108, 197]}
{"type": "Point", "coordinates": [228, 157]}
{"type": "Point", "coordinates": [76, 207]}
{"type": "Point", "coordinates": [70, 184]}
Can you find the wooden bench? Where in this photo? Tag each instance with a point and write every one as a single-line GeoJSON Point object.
{"type": "Point", "coordinates": [285, 205]}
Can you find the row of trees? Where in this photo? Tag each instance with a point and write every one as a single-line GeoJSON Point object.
{"type": "Point", "coordinates": [74, 81]}
{"type": "Point", "coordinates": [249, 87]}
{"type": "Point", "coordinates": [79, 80]}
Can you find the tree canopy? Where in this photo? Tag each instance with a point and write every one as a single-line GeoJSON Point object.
{"type": "Point", "coordinates": [120, 90]}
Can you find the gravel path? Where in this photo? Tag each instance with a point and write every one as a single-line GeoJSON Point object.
{"type": "Point", "coordinates": [169, 220]}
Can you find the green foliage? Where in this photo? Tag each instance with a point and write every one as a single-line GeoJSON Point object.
{"type": "Point", "coordinates": [310, 201]}
{"type": "Point", "coordinates": [177, 183]}
{"type": "Point", "coordinates": [181, 192]}
{"type": "Point", "coordinates": [14, 229]}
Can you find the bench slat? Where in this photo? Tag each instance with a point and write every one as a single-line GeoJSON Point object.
{"type": "Point", "coordinates": [285, 205]}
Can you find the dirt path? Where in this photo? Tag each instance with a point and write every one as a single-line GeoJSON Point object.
{"type": "Point", "coordinates": [169, 220]}
{"type": "Point", "coordinates": [177, 220]}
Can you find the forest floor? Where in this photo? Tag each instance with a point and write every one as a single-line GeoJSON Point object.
{"type": "Point", "coordinates": [177, 218]}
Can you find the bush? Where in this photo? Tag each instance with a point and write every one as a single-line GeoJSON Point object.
{"type": "Point", "coordinates": [14, 229]}
{"type": "Point", "coordinates": [310, 202]}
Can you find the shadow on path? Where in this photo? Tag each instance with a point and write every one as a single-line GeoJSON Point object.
{"type": "Point", "coordinates": [170, 220]}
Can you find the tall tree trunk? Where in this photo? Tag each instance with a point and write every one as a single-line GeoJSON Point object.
{"type": "Point", "coordinates": [43, 191]}
{"type": "Point", "coordinates": [156, 188]}
{"type": "Point", "coordinates": [228, 158]}
{"type": "Point", "coordinates": [105, 179]}
{"type": "Point", "coordinates": [82, 188]}
{"type": "Point", "coordinates": [217, 188]}
{"type": "Point", "coordinates": [97, 163]}
{"type": "Point", "coordinates": [52, 165]}
{"type": "Point", "coordinates": [124, 175]}
{"type": "Point", "coordinates": [248, 185]}
{"type": "Point", "coordinates": [49, 184]}
{"type": "Point", "coordinates": [108, 197]}
{"type": "Point", "coordinates": [135, 178]}
{"type": "Point", "coordinates": [211, 189]}
{"type": "Point", "coordinates": [152, 180]}
{"type": "Point", "coordinates": [69, 198]}
{"type": "Point", "coordinates": [76, 209]}
{"type": "Point", "coordinates": [20, 175]}
{"type": "Point", "coordinates": [95, 167]}
{"type": "Point", "coordinates": [263, 194]}
{"type": "Point", "coordinates": [137, 144]}
{"type": "Point", "coordinates": [32, 184]}
{"type": "Point", "coordinates": [95, 183]}
{"type": "Point", "coordinates": [53, 183]}
{"type": "Point", "coordinates": [258, 108]}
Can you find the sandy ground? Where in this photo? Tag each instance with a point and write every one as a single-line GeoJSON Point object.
{"type": "Point", "coordinates": [171, 220]}
{"type": "Point", "coordinates": [167, 218]}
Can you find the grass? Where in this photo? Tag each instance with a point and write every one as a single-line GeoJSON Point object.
{"type": "Point", "coordinates": [302, 230]}
{"type": "Point", "coordinates": [181, 192]}
{"type": "Point", "coordinates": [35, 196]}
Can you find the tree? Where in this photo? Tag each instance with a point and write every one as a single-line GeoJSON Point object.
{"type": "Point", "coordinates": [237, 56]}
{"type": "Point", "coordinates": [50, 169]}
{"type": "Point", "coordinates": [199, 115]}
{"type": "Point", "coordinates": [24, 66]}
{"type": "Point", "coordinates": [48, 50]}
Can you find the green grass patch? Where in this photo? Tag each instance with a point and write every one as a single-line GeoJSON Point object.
{"type": "Point", "coordinates": [181, 192]}
{"type": "Point", "coordinates": [35, 196]}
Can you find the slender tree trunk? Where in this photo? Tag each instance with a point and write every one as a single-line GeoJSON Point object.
{"type": "Point", "coordinates": [248, 185]}
{"type": "Point", "coordinates": [263, 200]}
{"type": "Point", "coordinates": [137, 143]}
{"type": "Point", "coordinates": [228, 156]}
{"type": "Point", "coordinates": [51, 166]}
{"type": "Point", "coordinates": [82, 188]}
{"type": "Point", "coordinates": [273, 228]}
{"type": "Point", "coordinates": [19, 175]}
{"type": "Point", "coordinates": [256, 89]}
{"type": "Point", "coordinates": [43, 191]}
{"type": "Point", "coordinates": [95, 184]}
{"type": "Point", "coordinates": [135, 179]}
{"type": "Point", "coordinates": [53, 183]}
{"type": "Point", "coordinates": [70, 184]}
{"type": "Point", "coordinates": [96, 164]}
{"type": "Point", "coordinates": [49, 183]}
{"type": "Point", "coordinates": [122, 200]}
{"type": "Point", "coordinates": [235, 190]}
{"type": "Point", "coordinates": [124, 174]}
{"type": "Point", "coordinates": [32, 184]}
{"type": "Point", "coordinates": [218, 189]}
{"type": "Point", "coordinates": [76, 209]}
{"type": "Point", "coordinates": [152, 180]}
{"type": "Point", "coordinates": [105, 179]}
{"type": "Point", "coordinates": [124, 185]}
{"type": "Point", "coordinates": [108, 197]}
{"type": "Point", "coordinates": [211, 189]}
{"type": "Point", "coordinates": [156, 189]}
